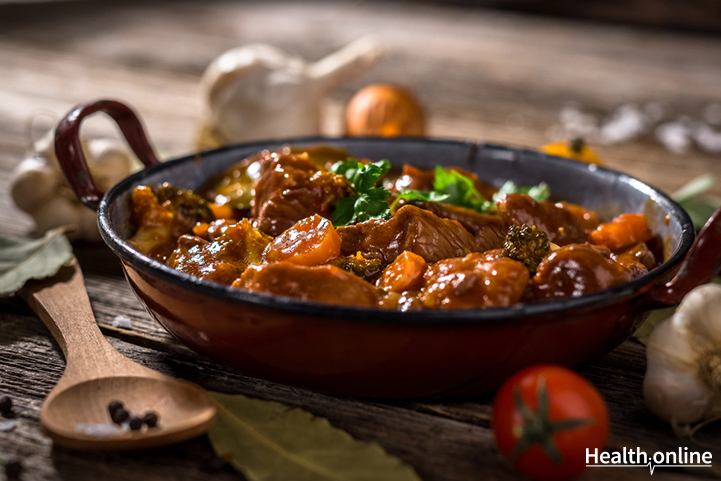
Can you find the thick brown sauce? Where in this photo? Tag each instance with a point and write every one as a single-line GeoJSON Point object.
{"type": "Point", "coordinates": [426, 256]}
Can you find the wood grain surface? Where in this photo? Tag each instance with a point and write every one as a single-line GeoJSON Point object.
{"type": "Point", "coordinates": [482, 74]}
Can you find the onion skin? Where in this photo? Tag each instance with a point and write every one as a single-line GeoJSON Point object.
{"type": "Point", "coordinates": [386, 111]}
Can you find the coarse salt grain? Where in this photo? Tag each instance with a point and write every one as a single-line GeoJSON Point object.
{"type": "Point", "coordinates": [122, 321]}
{"type": "Point", "coordinates": [98, 430]}
{"type": "Point", "coordinates": [706, 137]}
{"type": "Point", "coordinates": [576, 123]}
{"type": "Point", "coordinates": [676, 135]}
{"type": "Point", "coordinates": [625, 124]}
{"type": "Point", "coordinates": [7, 425]}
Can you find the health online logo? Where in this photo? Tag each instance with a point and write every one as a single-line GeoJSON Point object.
{"type": "Point", "coordinates": [628, 458]}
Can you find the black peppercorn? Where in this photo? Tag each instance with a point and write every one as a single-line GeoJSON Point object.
{"type": "Point", "coordinates": [150, 419]}
{"type": "Point", "coordinates": [13, 469]}
{"type": "Point", "coordinates": [6, 405]}
{"type": "Point", "coordinates": [135, 423]}
{"type": "Point", "coordinates": [119, 415]}
{"type": "Point", "coordinates": [114, 406]}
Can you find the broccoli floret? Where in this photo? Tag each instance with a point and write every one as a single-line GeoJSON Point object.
{"type": "Point", "coordinates": [190, 207]}
{"type": "Point", "coordinates": [526, 244]}
{"type": "Point", "coordinates": [366, 269]}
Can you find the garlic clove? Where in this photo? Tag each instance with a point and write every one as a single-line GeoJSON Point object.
{"type": "Point", "coordinates": [675, 396]}
{"type": "Point", "coordinates": [701, 311]}
{"type": "Point", "coordinates": [38, 186]}
{"type": "Point", "coordinates": [260, 92]}
{"type": "Point", "coordinates": [109, 161]}
{"type": "Point", "coordinates": [672, 347]}
{"type": "Point", "coordinates": [348, 62]}
{"type": "Point", "coordinates": [683, 374]}
{"type": "Point", "coordinates": [44, 147]}
{"type": "Point", "coordinates": [246, 87]}
{"type": "Point", "coordinates": [33, 183]}
{"type": "Point", "coordinates": [671, 387]}
{"type": "Point", "coordinates": [59, 211]}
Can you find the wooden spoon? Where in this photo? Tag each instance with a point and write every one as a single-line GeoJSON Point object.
{"type": "Point", "coordinates": [75, 413]}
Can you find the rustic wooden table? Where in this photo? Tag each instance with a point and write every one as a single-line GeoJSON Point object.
{"type": "Point", "coordinates": [482, 74]}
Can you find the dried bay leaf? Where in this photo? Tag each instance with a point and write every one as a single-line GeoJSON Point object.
{"type": "Point", "coordinates": [268, 441]}
{"type": "Point", "coordinates": [22, 259]}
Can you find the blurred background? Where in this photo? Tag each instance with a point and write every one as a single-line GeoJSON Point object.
{"type": "Point", "coordinates": [639, 79]}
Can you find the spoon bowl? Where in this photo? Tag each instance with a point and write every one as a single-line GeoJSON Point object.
{"type": "Point", "coordinates": [75, 413]}
{"type": "Point", "coordinates": [78, 416]}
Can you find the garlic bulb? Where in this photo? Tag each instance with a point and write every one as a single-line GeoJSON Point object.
{"type": "Point", "coordinates": [683, 374]}
{"type": "Point", "coordinates": [38, 186]}
{"type": "Point", "coordinates": [258, 92]}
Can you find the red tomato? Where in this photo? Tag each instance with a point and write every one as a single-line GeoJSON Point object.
{"type": "Point", "coordinates": [545, 417]}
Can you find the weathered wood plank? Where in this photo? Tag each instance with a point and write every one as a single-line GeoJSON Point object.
{"type": "Point", "coordinates": [435, 440]}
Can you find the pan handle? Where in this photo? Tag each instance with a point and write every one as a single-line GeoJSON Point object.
{"type": "Point", "coordinates": [70, 153]}
{"type": "Point", "coordinates": [701, 265]}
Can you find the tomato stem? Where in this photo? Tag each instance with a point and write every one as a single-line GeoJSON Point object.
{"type": "Point", "coordinates": [537, 428]}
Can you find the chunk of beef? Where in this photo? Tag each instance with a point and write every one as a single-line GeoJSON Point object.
{"type": "Point", "coordinates": [560, 224]}
{"type": "Point", "coordinates": [474, 281]}
{"type": "Point", "coordinates": [212, 230]}
{"type": "Point", "coordinates": [411, 229]}
{"type": "Point", "coordinates": [291, 188]}
{"type": "Point", "coordinates": [638, 259]}
{"type": "Point", "coordinates": [318, 283]}
{"type": "Point", "coordinates": [161, 215]}
{"type": "Point", "coordinates": [587, 219]}
{"type": "Point", "coordinates": [235, 186]}
{"type": "Point", "coordinates": [577, 269]}
{"type": "Point", "coordinates": [401, 301]}
{"type": "Point", "coordinates": [225, 258]}
{"type": "Point", "coordinates": [488, 231]}
{"type": "Point", "coordinates": [414, 178]}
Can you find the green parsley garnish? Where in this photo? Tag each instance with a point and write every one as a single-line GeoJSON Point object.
{"type": "Point", "coordinates": [460, 190]}
{"type": "Point", "coordinates": [450, 187]}
{"type": "Point", "coordinates": [371, 200]}
{"type": "Point", "coordinates": [539, 192]}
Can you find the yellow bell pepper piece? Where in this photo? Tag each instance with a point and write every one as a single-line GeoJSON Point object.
{"type": "Point", "coordinates": [575, 149]}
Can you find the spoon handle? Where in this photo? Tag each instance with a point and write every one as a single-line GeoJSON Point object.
{"type": "Point", "coordinates": [63, 305]}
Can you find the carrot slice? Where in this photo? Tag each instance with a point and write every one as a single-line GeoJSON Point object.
{"type": "Point", "coordinates": [404, 274]}
{"type": "Point", "coordinates": [221, 211]}
{"type": "Point", "coordinates": [310, 242]}
{"type": "Point", "coordinates": [622, 232]}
